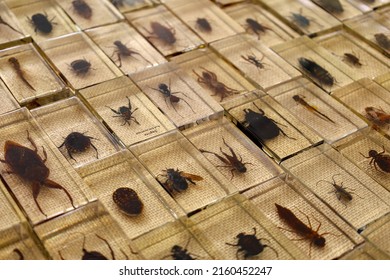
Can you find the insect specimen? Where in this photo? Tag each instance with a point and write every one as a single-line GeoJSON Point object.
{"type": "Point", "coordinates": [210, 79]}
{"type": "Point", "coordinates": [178, 180]}
{"type": "Point", "coordinates": [300, 100]}
{"type": "Point", "coordinates": [42, 23]}
{"type": "Point", "coordinates": [252, 59]}
{"type": "Point", "coordinates": [256, 27]}
{"type": "Point", "coordinates": [316, 71]}
{"type": "Point", "coordinates": [380, 160]}
{"type": "Point", "coordinates": [19, 71]}
{"type": "Point", "coordinates": [117, 3]}
{"type": "Point", "coordinates": [28, 165]}
{"type": "Point", "coordinates": [203, 25]}
{"type": "Point", "coordinates": [19, 253]}
{"type": "Point", "coordinates": [162, 33]}
{"type": "Point", "coordinates": [377, 116]}
{"type": "Point", "coordinates": [332, 6]}
{"type": "Point", "coordinates": [170, 96]}
{"type": "Point", "coordinates": [180, 253]}
{"type": "Point", "coordinates": [77, 142]}
{"type": "Point", "coordinates": [352, 59]}
{"type": "Point", "coordinates": [300, 19]}
{"type": "Point", "coordinates": [128, 201]}
{"type": "Point", "coordinates": [82, 8]}
{"type": "Point", "coordinates": [125, 113]}
{"type": "Point", "coordinates": [232, 161]}
{"type": "Point", "coordinates": [2, 21]}
{"type": "Point", "coordinates": [301, 228]}
{"type": "Point", "coordinates": [80, 66]}
{"type": "Point", "coordinates": [261, 126]}
{"type": "Point", "coordinates": [250, 245]}
{"type": "Point", "coordinates": [382, 40]}
{"type": "Point", "coordinates": [123, 51]}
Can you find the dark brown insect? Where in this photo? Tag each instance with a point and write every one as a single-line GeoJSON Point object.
{"type": "Point", "coordinates": [2, 21]}
{"type": "Point", "coordinates": [177, 181]}
{"type": "Point", "coordinates": [27, 164]}
{"type": "Point", "coordinates": [252, 59]}
{"type": "Point", "coordinates": [19, 253]}
{"type": "Point", "coordinates": [203, 25]}
{"type": "Point", "coordinates": [231, 161]}
{"type": "Point", "coordinates": [352, 59]}
{"type": "Point", "coordinates": [382, 40]}
{"type": "Point", "coordinates": [256, 27]}
{"type": "Point", "coordinates": [300, 19]}
{"type": "Point", "coordinates": [310, 108]}
{"type": "Point", "coordinates": [123, 51]}
{"type": "Point", "coordinates": [117, 3]}
{"type": "Point", "coordinates": [128, 201]}
{"type": "Point", "coordinates": [316, 71]}
{"type": "Point", "coordinates": [82, 8]}
{"type": "Point", "coordinates": [125, 113]}
{"type": "Point", "coordinates": [77, 142]}
{"type": "Point", "coordinates": [80, 66]}
{"type": "Point", "coordinates": [332, 6]}
{"type": "Point", "coordinates": [180, 253]}
{"type": "Point", "coordinates": [377, 116]}
{"type": "Point", "coordinates": [250, 245]}
{"type": "Point", "coordinates": [19, 71]}
{"type": "Point", "coordinates": [380, 160]}
{"type": "Point", "coordinates": [210, 79]}
{"type": "Point", "coordinates": [162, 33]}
{"type": "Point", "coordinates": [42, 23]}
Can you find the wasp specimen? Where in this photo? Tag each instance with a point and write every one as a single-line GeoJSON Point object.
{"type": "Point", "coordinates": [162, 33]}
{"type": "Point", "coordinates": [250, 245]}
{"type": "Point", "coordinates": [177, 181]}
{"type": "Point", "coordinates": [170, 96]}
{"type": "Point", "coordinates": [180, 253]}
{"type": "Point", "coordinates": [261, 126]}
{"type": "Point", "coordinates": [210, 79]}
{"type": "Point", "coordinates": [128, 201]}
{"type": "Point", "coordinates": [382, 40]}
{"type": "Point", "coordinates": [232, 161]}
{"type": "Point", "coordinates": [28, 165]}
{"type": "Point", "coordinates": [82, 9]}
{"type": "Point", "coordinates": [203, 25]}
{"type": "Point", "coordinates": [300, 100]}
{"type": "Point", "coordinates": [80, 66]}
{"type": "Point", "coordinates": [19, 253]}
{"type": "Point", "coordinates": [332, 6]}
{"type": "Point", "coordinates": [125, 113]}
{"type": "Point", "coordinates": [377, 116]}
{"type": "Point", "coordinates": [123, 51]}
{"type": "Point", "coordinates": [380, 160]}
{"type": "Point", "coordinates": [77, 142]}
{"type": "Point", "coordinates": [19, 71]}
{"type": "Point", "coordinates": [252, 59]}
{"type": "Point", "coordinates": [2, 21]}
{"type": "Point", "coordinates": [256, 27]}
{"type": "Point", "coordinates": [300, 19]}
{"type": "Point", "coordinates": [42, 23]}
{"type": "Point", "coordinates": [316, 71]}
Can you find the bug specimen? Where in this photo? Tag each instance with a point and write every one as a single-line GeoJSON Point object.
{"type": "Point", "coordinates": [252, 59]}
{"type": "Point", "coordinates": [232, 161]}
{"type": "Point", "coordinates": [128, 201]}
{"type": "Point", "coordinates": [382, 40]}
{"type": "Point", "coordinates": [80, 66]}
{"type": "Point", "coordinates": [380, 160]}
{"type": "Point", "coordinates": [352, 59]}
{"type": "Point", "coordinates": [332, 6]}
{"type": "Point", "coordinates": [300, 100]}
{"type": "Point", "coordinates": [300, 19]}
{"type": "Point", "coordinates": [82, 9]}
{"type": "Point", "coordinates": [28, 165]}
{"type": "Point", "coordinates": [203, 25]}
{"type": "Point", "coordinates": [316, 71]}
{"type": "Point", "coordinates": [117, 3]}
{"type": "Point", "coordinates": [180, 253]}
{"type": "Point", "coordinates": [178, 180]}
{"type": "Point", "coordinates": [256, 27]}
{"type": "Point", "coordinates": [377, 116]}
{"type": "Point", "coordinates": [19, 253]}
{"type": "Point", "coordinates": [125, 113]}
{"type": "Point", "coordinates": [210, 79]}
{"type": "Point", "coordinates": [2, 21]}
{"type": "Point", "coordinates": [123, 51]}
{"type": "Point", "coordinates": [19, 71]}
{"type": "Point", "coordinates": [42, 23]}
{"type": "Point", "coordinates": [162, 33]}
{"type": "Point", "coordinates": [250, 245]}
{"type": "Point", "coordinates": [261, 126]}
{"type": "Point", "coordinates": [170, 96]}
{"type": "Point", "coordinates": [77, 142]}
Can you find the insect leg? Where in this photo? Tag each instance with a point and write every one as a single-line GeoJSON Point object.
{"type": "Point", "coordinates": [53, 185]}
{"type": "Point", "coordinates": [108, 245]}
{"type": "Point", "coordinates": [218, 156]}
{"type": "Point", "coordinates": [36, 188]}
{"type": "Point", "coordinates": [188, 105]}
{"type": "Point", "coordinates": [93, 146]}
{"type": "Point", "coordinates": [31, 141]}
{"type": "Point", "coordinates": [116, 112]}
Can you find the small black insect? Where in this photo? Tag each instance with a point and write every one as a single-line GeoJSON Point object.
{"type": "Point", "coordinates": [203, 25]}
{"type": "Point", "coordinates": [261, 126]}
{"type": "Point", "coordinates": [352, 59]}
{"type": "Point", "coordinates": [123, 51]}
{"type": "Point", "coordinates": [252, 59]}
{"type": "Point", "coordinates": [2, 21]}
{"type": "Point", "coordinates": [125, 113]}
{"type": "Point", "coordinates": [178, 180]}
{"type": "Point", "coordinates": [332, 6]}
{"type": "Point", "coordinates": [380, 160]}
{"type": "Point", "coordinates": [128, 201]}
{"type": "Point", "coordinates": [316, 71]}
{"type": "Point", "coordinates": [382, 40]}
{"type": "Point", "coordinates": [82, 8]}
{"type": "Point", "coordinates": [77, 142]}
{"type": "Point", "coordinates": [42, 23]}
{"type": "Point", "coordinates": [250, 245]}
{"type": "Point", "coordinates": [256, 27]}
{"type": "Point", "coordinates": [180, 253]}
{"type": "Point", "coordinates": [162, 33]}
{"type": "Point", "coordinates": [300, 19]}
{"type": "Point", "coordinates": [80, 66]}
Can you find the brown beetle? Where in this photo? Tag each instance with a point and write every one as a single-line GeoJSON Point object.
{"type": "Point", "coordinates": [128, 201]}
{"type": "Point", "coordinates": [28, 165]}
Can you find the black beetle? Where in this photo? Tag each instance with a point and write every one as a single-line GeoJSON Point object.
{"type": "Point", "coordinates": [80, 66]}
{"type": "Point", "coordinates": [203, 25]}
{"type": "Point", "coordinates": [180, 253]}
{"type": "Point", "coordinates": [42, 23]}
{"type": "Point", "coordinates": [77, 142]}
{"type": "Point", "coordinates": [125, 113]}
{"type": "Point", "coordinates": [128, 201]}
{"type": "Point", "coordinates": [82, 8]}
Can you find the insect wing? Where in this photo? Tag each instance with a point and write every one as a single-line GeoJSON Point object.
{"type": "Point", "coordinates": [191, 177]}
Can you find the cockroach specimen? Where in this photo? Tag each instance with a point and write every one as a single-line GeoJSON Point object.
{"type": "Point", "coordinates": [300, 100]}
{"type": "Point", "coordinates": [125, 113]}
{"type": "Point", "coordinates": [379, 159]}
{"type": "Point", "coordinates": [42, 23]}
{"type": "Point", "coordinates": [250, 245]}
{"type": "Point", "coordinates": [80, 66]}
{"type": "Point", "coordinates": [19, 253]}
{"type": "Point", "coordinates": [162, 33]}
{"type": "Point", "coordinates": [261, 126]}
{"type": "Point", "coordinates": [19, 71]}
{"type": "Point", "coordinates": [210, 79]}
{"type": "Point", "coordinates": [352, 59]}
{"type": "Point", "coordinates": [316, 72]}
{"type": "Point", "coordinates": [377, 116]}
{"type": "Point", "coordinates": [128, 201]}
{"type": "Point", "coordinates": [123, 51]}
{"type": "Point", "coordinates": [27, 164]}
{"type": "Point", "coordinates": [180, 253]}
{"type": "Point", "coordinates": [178, 180]}
{"type": "Point", "coordinates": [77, 142]}
{"type": "Point", "coordinates": [300, 19]}
{"type": "Point", "coordinates": [203, 25]}
{"type": "Point", "coordinates": [256, 27]}
{"type": "Point", "coordinates": [170, 96]}
{"type": "Point", "coordinates": [252, 59]}
{"type": "Point", "coordinates": [82, 8]}
{"type": "Point", "coordinates": [332, 6]}
{"type": "Point", "coordinates": [382, 40]}
{"type": "Point", "coordinates": [2, 21]}
{"type": "Point", "coordinates": [231, 161]}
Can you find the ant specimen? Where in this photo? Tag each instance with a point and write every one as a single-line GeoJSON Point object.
{"type": "Point", "coordinates": [252, 59]}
